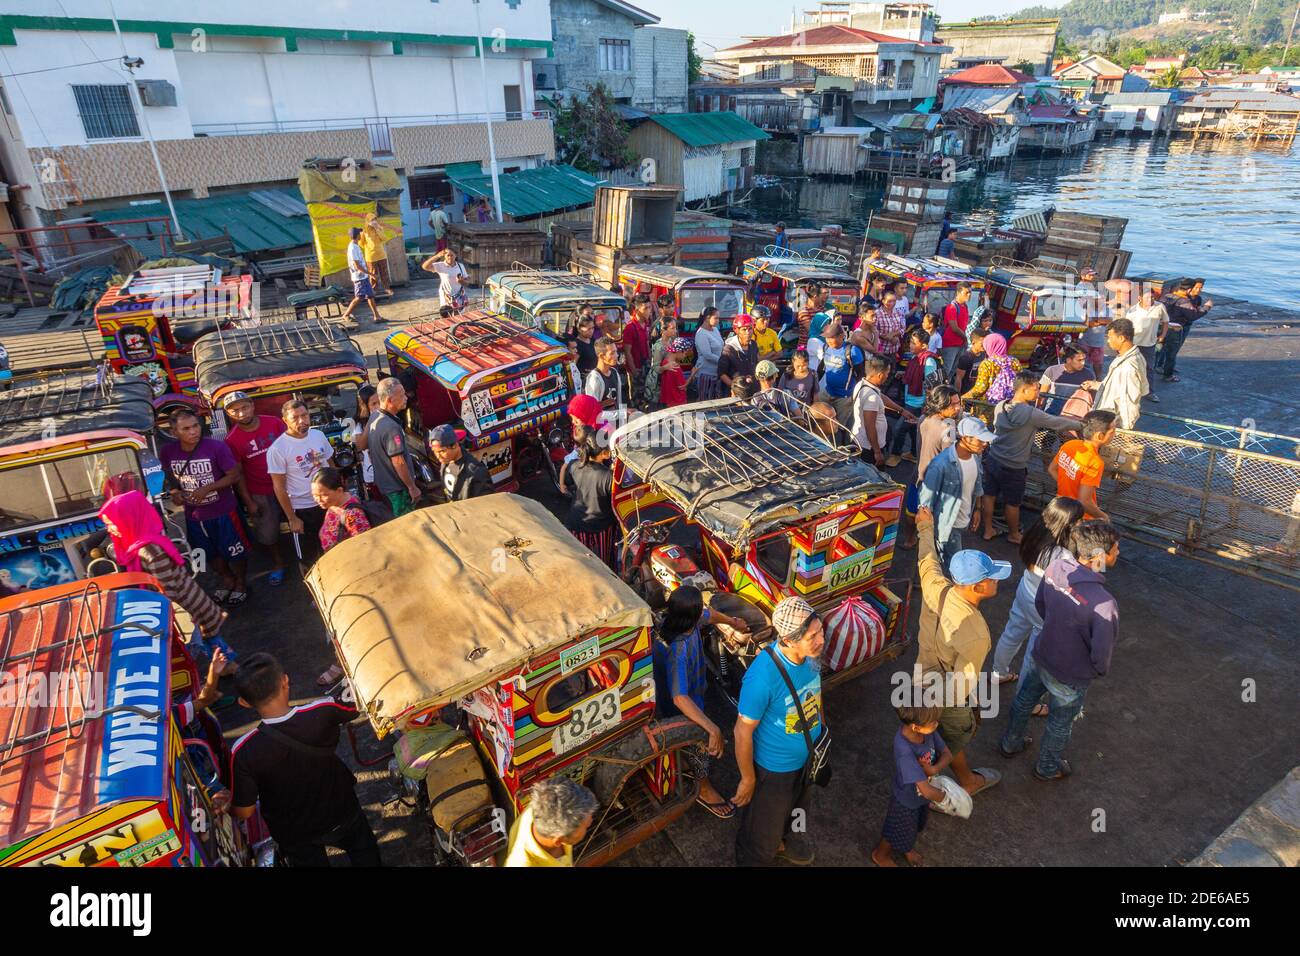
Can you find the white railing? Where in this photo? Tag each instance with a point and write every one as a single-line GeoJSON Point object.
{"type": "Point", "coordinates": [364, 122]}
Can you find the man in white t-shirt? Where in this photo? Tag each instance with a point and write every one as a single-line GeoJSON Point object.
{"type": "Point", "coordinates": [1150, 323]}
{"type": "Point", "coordinates": [291, 461]}
{"type": "Point", "coordinates": [362, 274]}
{"type": "Point", "coordinates": [452, 276]}
{"type": "Point", "coordinates": [870, 428]}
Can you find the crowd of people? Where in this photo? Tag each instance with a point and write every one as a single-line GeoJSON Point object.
{"type": "Point", "coordinates": [843, 381]}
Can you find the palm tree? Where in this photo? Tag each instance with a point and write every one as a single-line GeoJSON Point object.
{"type": "Point", "coordinates": [1169, 78]}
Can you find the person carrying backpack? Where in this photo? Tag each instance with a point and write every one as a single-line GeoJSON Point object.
{"type": "Point", "coordinates": [923, 372]}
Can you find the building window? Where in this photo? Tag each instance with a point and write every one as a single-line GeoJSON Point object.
{"type": "Point", "coordinates": [428, 188]}
{"type": "Point", "coordinates": [616, 55]}
{"type": "Point", "coordinates": [106, 111]}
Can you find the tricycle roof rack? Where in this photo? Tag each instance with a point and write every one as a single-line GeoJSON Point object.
{"type": "Point", "coordinates": [817, 257]}
{"type": "Point", "coordinates": [234, 356]}
{"type": "Point", "coordinates": [928, 263]}
{"type": "Point", "coordinates": [740, 470]}
{"type": "Point", "coordinates": [74, 402]}
{"type": "Point", "coordinates": [469, 330]}
{"type": "Point", "coordinates": [1035, 268]}
{"type": "Point", "coordinates": [546, 277]}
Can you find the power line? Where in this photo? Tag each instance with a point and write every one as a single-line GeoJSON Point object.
{"type": "Point", "coordinates": [67, 66]}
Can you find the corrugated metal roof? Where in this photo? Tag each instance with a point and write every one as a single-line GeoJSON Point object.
{"type": "Point", "coordinates": [1246, 99]}
{"type": "Point", "coordinates": [253, 224]}
{"type": "Point", "coordinates": [914, 121]}
{"type": "Point", "coordinates": [1137, 99]}
{"type": "Point", "coordinates": [708, 129]}
{"type": "Point", "coordinates": [980, 99]}
{"type": "Point", "coordinates": [533, 192]}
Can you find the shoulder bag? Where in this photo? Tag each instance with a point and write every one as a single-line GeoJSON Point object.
{"type": "Point", "coordinates": [818, 769]}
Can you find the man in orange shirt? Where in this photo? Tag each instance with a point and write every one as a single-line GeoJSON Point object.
{"type": "Point", "coordinates": [1078, 466]}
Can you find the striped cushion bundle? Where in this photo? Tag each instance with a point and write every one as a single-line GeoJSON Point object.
{"type": "Point", "coordinates": [854, 633]}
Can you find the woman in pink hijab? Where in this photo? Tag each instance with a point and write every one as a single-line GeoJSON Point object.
{"type": "Point", "coordinates": [140, 544]}
{"type": "Point", "coordinates": [997, 373]}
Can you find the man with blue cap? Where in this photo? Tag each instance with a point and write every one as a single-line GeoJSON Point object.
{"type": "Point", "coordinates": [953, 484]}
{"type": "Point", "coordinates": [954, 640]}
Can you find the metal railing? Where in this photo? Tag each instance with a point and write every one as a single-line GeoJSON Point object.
{"type": "Point", "coordinates": [365, 122]}
{"type": "Point", "coordinates": [1210, 498]}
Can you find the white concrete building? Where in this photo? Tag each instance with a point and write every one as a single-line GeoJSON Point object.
{"type": "Point", "coordinates": [241, 92]}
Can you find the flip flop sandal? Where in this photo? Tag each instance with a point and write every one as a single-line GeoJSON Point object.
{"type": "Point", "coordinates": [1015, 753]}
{"type": "Point", "coordinates": [1007, 678]}
{"type": "Point", "coordinates": [236, 598]}
{"type": "Point", "coordinates": [723, 811]}
{"type": "Point", "coordinates": [221, 595]}
{"type": "Point", "coordinates": [1040, 710]}
{"type": "Point", "coordinates": [990, 777]}
{"type": "Point", "coordinates": [331, 676]}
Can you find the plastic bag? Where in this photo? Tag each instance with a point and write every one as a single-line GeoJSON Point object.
{"type": "Point", "coordinates": [956, 801]}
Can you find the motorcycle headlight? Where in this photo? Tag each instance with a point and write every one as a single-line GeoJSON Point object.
{"type": "Point", "coordinates": [555, 437]}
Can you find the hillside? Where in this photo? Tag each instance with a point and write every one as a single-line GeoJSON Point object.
{"type": "Point", "coordinates": [1080, 19]}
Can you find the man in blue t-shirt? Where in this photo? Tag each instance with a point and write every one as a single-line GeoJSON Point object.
{"type": "Point", "coordinates": [838, 366]}
{"type": "Point", "coordinates": [771, 746]}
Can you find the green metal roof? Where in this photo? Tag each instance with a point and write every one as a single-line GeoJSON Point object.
{"type": "Point", "coordinates": [533, 192]}
{"type": "Point", "coordinates": [255, 225]}
{"type": "Point", "coordinates": [708, 129]}
{"type": "Point", "coordinates": [463, 169]}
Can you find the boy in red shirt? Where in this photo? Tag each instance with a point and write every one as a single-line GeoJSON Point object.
{"type": "Point", "coordinates": [249, 440]}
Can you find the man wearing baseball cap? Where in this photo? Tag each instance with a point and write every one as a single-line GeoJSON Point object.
{"type": "Point", "coordinates": [953, 640]}
{"type": "Point", "coordinates": [249, 441]}
{"type": "Point", "coordinates": [770, 396]}
{"type": "Point", "coordinates": [771, 747]}
{"type": "Point", "coordinates": [462, 476]}
{"type": "Point", "coordinates": [953, 485]}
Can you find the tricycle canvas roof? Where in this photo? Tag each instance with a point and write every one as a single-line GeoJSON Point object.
{"type": "Point", "coordinates": [492, 605]}
{"type": "Point", "coordinates": [827, 268]}
{"type": "Point", "coordinates": [692, 290]}
{"type": "Point", "coordinates": [741, 471]}
{"type": "Point", "coordinates": [505, 581]}
{"type": "Point", "coordinates": [59, 406]}
{"type": "Point", "coordinates": [97, 771]}
{"type": "Point", "coordinates": [1038, 307]}
{"type": "Point", "coordinates": [547, 298]}
{"type": "Point", "coordinates": [276, 359]}
{"type": "Point", "coordinates": [776, 512]}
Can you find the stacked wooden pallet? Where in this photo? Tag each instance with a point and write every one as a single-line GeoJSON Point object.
{"type": "Point", "coordinates": [704, 240]}
{"type": "Point", "coordinates": [751, 239]}
{"type": "Point", "coordinates": [1081, 240]}
{"type": "Point", "coordinates": [913, 209]}
{"type": "Point", "coordinates": [574, 249]}
{"type": "Point", "coordinates": [979, 247]}
{"type": "Point", "coordinates": [488, 247]}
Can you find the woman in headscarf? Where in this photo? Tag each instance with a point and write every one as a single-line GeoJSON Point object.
{"type": "Point", "coordinates": [140, 544]}
{"type": "Point", "coordinates": [996, 379]}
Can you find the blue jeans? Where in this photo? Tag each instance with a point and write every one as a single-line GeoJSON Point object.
{"type": "Point", "coordinates": [1021, 623]}
{"type": "Point", "coordinates": [948, 548]}
{"type": "Point", "coordinates": [1167, 356]}
{"type": "Point", "coordinates": [1064, 702]}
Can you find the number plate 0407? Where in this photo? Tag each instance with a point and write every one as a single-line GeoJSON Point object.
{"type": "Point", "coordinates": [588, 719]}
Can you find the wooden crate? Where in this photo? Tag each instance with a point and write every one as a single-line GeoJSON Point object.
{"type": "Point", "coordinates": [917, 198]}
{"type": "Point", "coordinates": [488, 247]}
{"type": "Point", "coordinates": [916, 238]}
{"type": "Point", "coordinates": [627, 216]}
{"type": "Point", "coordinates": [1085, 231]}
{"type": "Point", "coordinates": [1109, 263]}
{"type": "Point", "coordinates": [604, 262]}
{"type": "Point", "coordinates": [311, 276]}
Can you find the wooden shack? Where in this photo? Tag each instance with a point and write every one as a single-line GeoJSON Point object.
{"type": "Point", "coordinates": [488, 247]}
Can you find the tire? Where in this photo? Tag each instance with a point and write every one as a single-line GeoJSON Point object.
{"type": "Point", "coordinates": [673, 734]}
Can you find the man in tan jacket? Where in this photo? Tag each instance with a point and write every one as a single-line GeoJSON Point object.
{"type": "Point", "coordinates": [954, 641]}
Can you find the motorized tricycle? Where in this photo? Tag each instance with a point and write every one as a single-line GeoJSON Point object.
{"type": "Point", "coordinates": [546, 299]}
{"type": "Point", "coordinates": [779, 279]}
{"type": "Point", "coordinates": [68, 442]}
{"type": "Point", "coordinates": [104, 768]}
{"type": "Point", "coordinates": [314, 360]}
{"type": "Point", "coordinates": [692, 291]}
{"type": "Point", "coordinates": [506, 386]}
{"type": "Point", "coordinates": [544, 653]}
{"type": "Point", "coordinates": [1039, 309]}
{"type": "Point", "coordinates": [769, 510]}
{"type": "Point", "coordinates": [932, 281]}
{"type": "Point", "coordinates": [151, 321]}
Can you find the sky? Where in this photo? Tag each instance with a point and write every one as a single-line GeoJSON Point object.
{"type": "Point", "coordinates": [722, 22]}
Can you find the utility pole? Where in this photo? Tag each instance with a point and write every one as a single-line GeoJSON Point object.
{"type": "Point", "coordinates": [1290, 33]}
{"type": "Point", "coordinates": [492, 146]}
{"type": "Point", "coordinates": [130, 64]}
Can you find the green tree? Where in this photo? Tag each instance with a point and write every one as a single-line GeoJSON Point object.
{"type": "Point", "coordinates": [589, 132]}
{"type": "Point", "coordinates": [693, 59]}
{"type": "Point", "coordinates": [1168, 79]}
